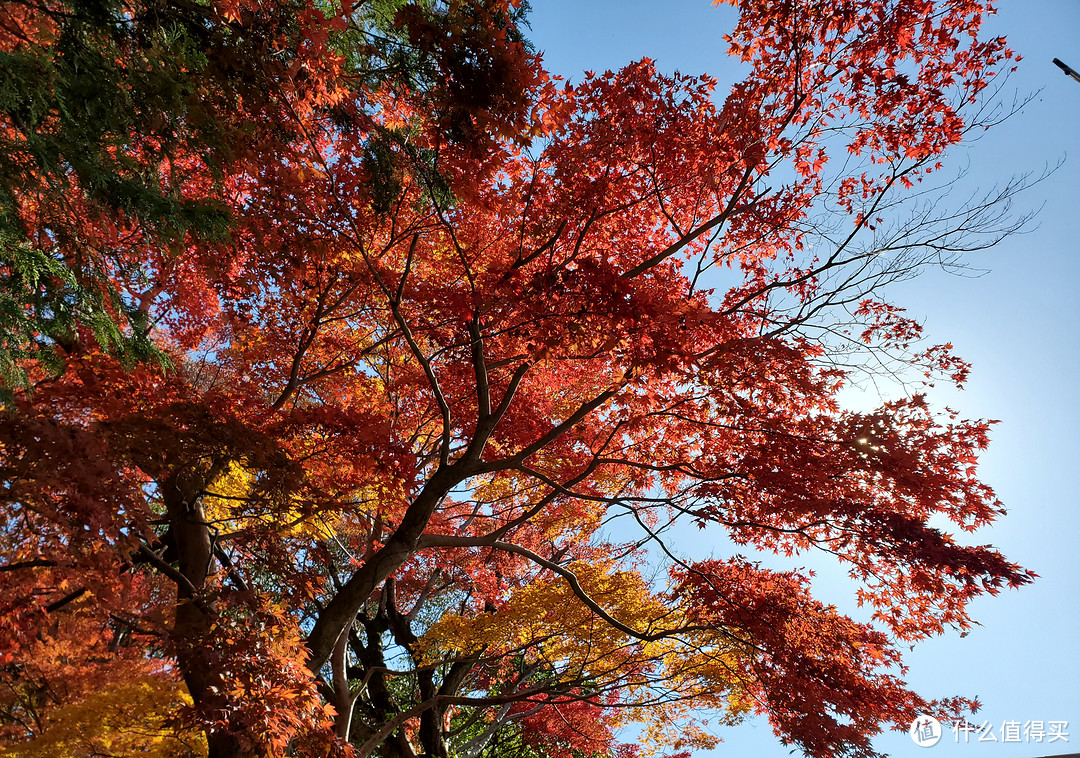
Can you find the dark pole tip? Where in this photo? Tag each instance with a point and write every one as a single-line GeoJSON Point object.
{"type": "Point", "coordinates": [1065, 68]}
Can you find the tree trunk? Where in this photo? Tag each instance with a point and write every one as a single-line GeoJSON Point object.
{"type": "Point", "coordinates": [192, 627]}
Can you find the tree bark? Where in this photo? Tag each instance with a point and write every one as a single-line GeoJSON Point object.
{"type": "Point", "coordinates": [192, 626]}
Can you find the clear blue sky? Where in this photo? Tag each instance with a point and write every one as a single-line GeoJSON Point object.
{"type": "Point", "coordinates": [1018, 324]}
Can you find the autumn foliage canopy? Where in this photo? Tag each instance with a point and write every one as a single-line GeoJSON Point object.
{"type": "Point", "coordinates": [363, 380]}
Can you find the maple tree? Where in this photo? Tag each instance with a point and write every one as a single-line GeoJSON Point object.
{"type": "Point", "coordinates": [424, 322]}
